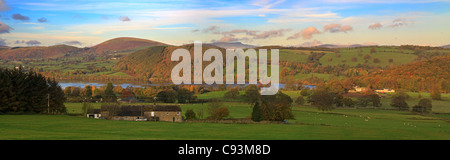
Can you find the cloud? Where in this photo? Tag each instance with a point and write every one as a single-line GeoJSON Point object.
{"type": "Point", "coordinates": [306, 33]}
{"type": "Point", "coordinates": [237, 31]}
{"type": "Point", "coordinates": [29, 43]}
{"type": "Point", "coordinates": [3, 6]}
{"type": "Point", "coordinates": [4, 28]}
{"type": "Point", "coordinates": [270, 34]}
{"type": "Point", "coordinates": [334, 28]}
{"type": "Point", "coordinates": [32, 42]}
{"type": "Point", "coordinates": [42, 20]}
{"type": "Point", "coordinates": [20, 17]}
{"type": "Point", "coordinates": [195, 30]}
{"type": "Point", "coordinates": [19, 42]}
{"type": "Point", "coordinates": [124, 19]}
{"type": "Point", "coordinates": [267, 3]}
{"type": "Point", "coordinates": [228, 39]}
{"type": "Point", "coordinates": [72, 43]}
{"type": "Point", "coordinates": [210, 29]}
{"type": "Point", "coordinates": [399, 22]}
{"type": "Point", "coordinates": [311, 44]}
{"type": "Point", "coordinates": [375, 26]}
{"type": "Point", "coordinates": [2, 42]}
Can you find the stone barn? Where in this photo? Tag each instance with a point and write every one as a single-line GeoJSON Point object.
{"type": "Point", "coordinates": [169, 113]}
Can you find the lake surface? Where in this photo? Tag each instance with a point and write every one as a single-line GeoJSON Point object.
{"type": "Point", "coordinates": [125, 85]}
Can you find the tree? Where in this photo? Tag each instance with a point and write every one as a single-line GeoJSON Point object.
{"type": "Point", "coordinates": [221, 113]}
{"type": "Point", "coordinates": [435, 92]}
{"type": "Point", "coordinates": [184, 95]}
{"type": "Point", "coordinates": [322, 99]}
{"type": "Point", "coordinates": [348, 102]}
{"type": "Point", "coordinates": [213, 106]}
{"type": "Point", "coordinates": [399, 101]}
{"type": "Point", "coordinates": [305, 92]}
{"type": "Point", "coordinates": [256, 113]}
{"type": "Point", "coordinates": [118, 89]}
{"type": "Point", "coordinates": [367, 57]}
{"type": "Point", "coordinates": [373, 50]}
{"type": "Point", "coordinates": [87, 91]}
{"type": "Point", "coordinates": [276, 107]}
{"type": "Point", "coordinates": [376, 60]}
{"type": "Point", "coordinates": [424, 106]}
{"type": "Point", "coordinates": [252, 94]}
{"type": "Point", "coordinates": [339, 100]}
{"type": "Point", "coordinates": [375, 99]}
{"type": "Point", "coordinates": [363, 101]}
{"type": "Point", "coordinates": [190, 114]}
{"type": "Point", "coordinates": [300, 100]}
{"type": "Point", "coordinates": [232, 93]}
{"type": "Point", "coordinates": [126, 93]}
{"type": "Point", "coordinates": [167, 96]}
{"type": "Point", "coordinates": [109, 95]}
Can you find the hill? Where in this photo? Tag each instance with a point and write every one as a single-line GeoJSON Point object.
{"type": "Point", "coordinates": [415, 76]}
{"type": "Point", "coordinates": [446, 46]}
{"type": "Point", "coordinates": [155, 62]}
{"type": "Point", "coordinates": [123, 44]}
{"type": "Point", "coordinates": [232, 45]}
{"type": "Point", "coordinates": [37, 52]}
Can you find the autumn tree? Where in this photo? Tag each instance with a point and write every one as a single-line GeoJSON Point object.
{"type": "Point", "coordinates": [232, 93]}
{"type": "Point", "coordinates": [435, 92]}
{"type": "Point", "coordinates": [126, 93]}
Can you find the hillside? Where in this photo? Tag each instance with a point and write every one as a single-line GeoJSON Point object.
{"type": "Point", "coordinates": [123, 44]}
{"type": "Point", "coordinates": [37, 52]}
{"type": "Point", "coordinates": [419, 75]}
{"type": "Point", "coordinates": [232, 45]}
{"type": "Point", "coordinates": [154, 63]}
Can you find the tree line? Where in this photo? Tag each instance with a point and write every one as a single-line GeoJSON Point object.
{"type": "Point", "coordinates": [29, 92]}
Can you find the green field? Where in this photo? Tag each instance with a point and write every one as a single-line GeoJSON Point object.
{"type": "Point", "coordinates": [309, 124]}
{"type": "Point", "coordinates": [382, 53]}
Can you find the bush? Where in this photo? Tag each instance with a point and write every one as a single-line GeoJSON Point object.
{"type": "Point", "coordinates": [256, 114]}
{"type": "Point", "coordinates": [220, 113]}
{"type": "Point", "coordinates": [305, 92]}
{"type": "Point", "coordinates": [348, 102]}
{"type": "Point", "coordinates": [300, 100]}
{"type": "Point", "coordinates": [424, 106]}
{"type": "Point", "coordinates": [190, 114]}
{"type": "Point", "coordinates": [400, 103]}
{"type": "Point", "coordinates": [232, 94]}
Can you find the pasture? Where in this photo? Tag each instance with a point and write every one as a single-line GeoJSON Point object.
{"type": "Point", "coordinates": [309, 124]}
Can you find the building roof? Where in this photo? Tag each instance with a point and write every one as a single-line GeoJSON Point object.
{"type": "Point", "coordinates": [137, 110]}
{"type": "Point", "coordinates": [167, 108]}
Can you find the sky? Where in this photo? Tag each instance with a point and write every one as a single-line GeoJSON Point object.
{"type": "Point", "coordinates": [84, 23]}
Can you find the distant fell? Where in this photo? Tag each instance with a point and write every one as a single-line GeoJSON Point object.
{"type": "Point", "coordinates": [123, 44]}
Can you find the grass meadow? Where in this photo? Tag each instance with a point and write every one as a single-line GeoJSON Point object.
{"type": "Point", "coordinates": [309, 123]}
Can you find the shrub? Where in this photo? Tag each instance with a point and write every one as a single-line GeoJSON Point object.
{"type": "Point", "coordinates": [300, 100]}
{"type": "Point", "coordinates": [256, 114]}
{"type": "Point", "coordinates": [348, 102]}
{"type": "Point", "coordinates": [190, 114]}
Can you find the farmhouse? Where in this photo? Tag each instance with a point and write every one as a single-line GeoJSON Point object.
{"type": "Point", "coordinates": [357, 89]}
{"type": "Point", "coordinates": [169, 113]}
{"type": "Point", "coordinates": [94, 113]}
{"type": "Point", "coordinates": [385, 90]}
